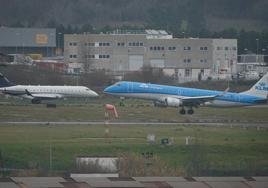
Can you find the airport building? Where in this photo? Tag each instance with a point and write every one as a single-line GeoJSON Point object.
{"type": "Point", "coordinates": [28, 41]}
{"type": "Point", "coordinates": [185, 59]}
{"type": "Point", "coordinates": [252, 66]}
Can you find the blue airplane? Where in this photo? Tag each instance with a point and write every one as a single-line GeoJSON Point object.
{"type": "Point", "coordinates": [187, 98]}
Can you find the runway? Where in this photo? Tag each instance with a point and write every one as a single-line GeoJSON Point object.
{"type": "Point", "coordinates": [133, 123]}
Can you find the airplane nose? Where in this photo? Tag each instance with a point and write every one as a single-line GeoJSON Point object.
{"type": "Point", "coordinates": [94, 94]}
{"type": "Point", "coordinates": [107, 90]}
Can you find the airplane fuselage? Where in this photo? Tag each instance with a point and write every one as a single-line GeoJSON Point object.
{"type": "Point", "coordinates": [56, 92]}
{"type": "Point", "coordinates": [155, 92]}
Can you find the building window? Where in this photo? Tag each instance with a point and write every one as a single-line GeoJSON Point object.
{"type": "Point", "coordinates": [205, 48]}
{"type": "Point", "coordinates": [90, 56]}
{"type": "Point", "coordinates": [72, 43]}
{"type": "Point", "coordinates": [73, 56]}
{"type": "Point", "coordinates": [187, 72]}
{"type": "Point", "coordinates": [203, 60]}
{"type": "Point", "coordinates": [135, 43]}
{"type": "Point", "coordinates": [234, 48]}
{"type": "Point", "coordinates": [172, 48]}
{"type": "Point", "coordinates": [158, 48]}
{"type": "Point", "coordinates": [120, 44]}
{"type": "Point", "coordinates": [187, 48]}
{"type": "Point", "coordinates": [187, 60]}
{"type": "Point", "coordinates": [226, 48]}
{"type": "Point", "coordinates": [104, 56]}
{"type": "Point", "coordinates": [104, 44]}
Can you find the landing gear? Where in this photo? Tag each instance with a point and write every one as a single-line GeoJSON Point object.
{"type": "Point", "coordinates": [182, 111]}
{"type": "Point", "coordinates": [189, 111]}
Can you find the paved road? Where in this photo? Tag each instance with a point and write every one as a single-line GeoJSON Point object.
{"type": "Point", "coordinates": [127, 123]}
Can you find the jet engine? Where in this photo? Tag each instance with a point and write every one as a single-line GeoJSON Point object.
{"type": "Point", "coordinates": [173, 102]}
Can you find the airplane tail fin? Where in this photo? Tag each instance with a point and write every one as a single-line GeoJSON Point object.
{"type": "Point", "coordinates": [4, 82]}
{"type": "Point", "coordinates": [260, 89]}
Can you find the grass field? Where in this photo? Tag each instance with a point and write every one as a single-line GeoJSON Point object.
{"type": "Point", "coordinates": [137, 110]}
{"type": "Point", "coordinates": [213, 150]}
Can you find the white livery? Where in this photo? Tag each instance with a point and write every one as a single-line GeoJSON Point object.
{"type": "Point", "coordinates": [37, 93]}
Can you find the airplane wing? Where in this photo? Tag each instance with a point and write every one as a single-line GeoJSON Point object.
{"type": "Point", "coordinates": [176, 101]}
{"type": "Point", "coordinates": [44, 96]}
{"type": "Point", "coordinates": [197, 101]}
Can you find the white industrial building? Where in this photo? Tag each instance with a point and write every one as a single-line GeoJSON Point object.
{"type": "Point", "coordinates": [186, 59]}
{"type": "Point", "coordinates": [252, 66]}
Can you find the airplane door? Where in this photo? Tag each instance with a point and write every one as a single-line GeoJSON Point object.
{"type": "Point", "coordinates": [129, 87]}
{"type": "Point", "coordinates": [179, 92]}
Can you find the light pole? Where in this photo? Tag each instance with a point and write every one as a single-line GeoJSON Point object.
{"type": "Point", "coordinates": [58, 45]}
{"type": "Point", "coordinates": [52, 36]}
{"type": "Point", "coordinates": [17, 38]}
{"type": "Point", "coordinates": [257, 43]}
{"type": "Point", "coordinates": [257, 52]}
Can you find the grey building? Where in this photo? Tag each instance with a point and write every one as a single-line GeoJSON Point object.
{"type": "Point", "coordinates": [184, 58]}
{"type": "Point", "coordinates": [28, 41]}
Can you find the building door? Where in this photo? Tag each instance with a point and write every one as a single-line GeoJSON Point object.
{"type": "Point", "coordinates": [135, 62]}
{"type": "Point", "coordinates": [158, 63]}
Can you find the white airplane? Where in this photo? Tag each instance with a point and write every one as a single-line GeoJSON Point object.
{"type": "Point", "coordinates": [181, 97]}
{"type": "Point", "coordinates": [37, 93]}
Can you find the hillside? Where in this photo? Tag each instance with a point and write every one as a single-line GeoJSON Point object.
{"type": "Point", "coordinates": [189, 15]}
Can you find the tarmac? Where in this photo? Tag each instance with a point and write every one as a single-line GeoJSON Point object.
{"type": "Point", "coordinates": [145, 123]}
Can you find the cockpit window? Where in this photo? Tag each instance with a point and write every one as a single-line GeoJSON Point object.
{"type": "Point", "coordinates": [117, 84]}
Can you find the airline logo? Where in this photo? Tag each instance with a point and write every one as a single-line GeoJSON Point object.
{"type": "Point", "coordinates": [262, 86]}
{"type": "Point", "coordinates": [143, 86]}
{"type": "Point", "coordinates": [149, 86]}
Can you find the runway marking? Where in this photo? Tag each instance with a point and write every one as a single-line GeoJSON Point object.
{"type": "Point", "coordinates": [127, 123]}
